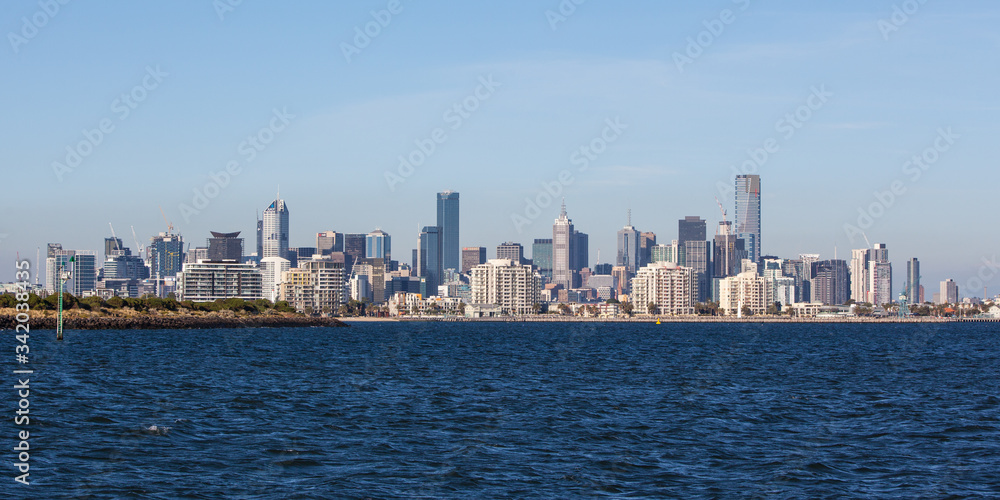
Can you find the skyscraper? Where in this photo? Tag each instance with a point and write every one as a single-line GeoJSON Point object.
{"type": "Point", "coordinates": [260, 238]}
{"type": "Point", "coordinates": [511, 251]}
{"type": "Point", "coordinates": [647, 241]}
{"type": "Point", "coordinates": [949, 292]}
{"type": "Point", "coordinates": [275, 231]}
{"type": "Point", "coordinates": [447, 221]}
{"type": "Point", "coordinates": [429, 257]}
{"type": "Point", "coordinates": [378, 245]}
{"type": "Point", "coordinates": [167, 251]}
{"type": "Point", "coordinates": [880, 276]}
{"type": "Point", "coordinates": [580, 251]}
{"type": "Point", "coordinates": [748, 213]}
{"type": "Point", "coordinates": [328, 242]}
{"type": "Point", "coordinates": [860, 258]}
{"type": "Point", "coordinates": [541, 257]}
{"type": "Point", "coordinates": [728, 251]}
{"type": "Point", "coordinates": [691, 233]}
{"type": "Point", "coordinates": [628, 248]}
{"type": "Point", "coordinates": [913, 281]}
{"type": "Point", "coordinates": [354, 249]}
{"type": "Point", "coordinates": [562, 234]}
{"type": "Point", "coordinates": [472, 257]}
{"type": "Point", "coordinates": [111, 246]}
{"type": "Point", "coordinates": [830, 282]}
{"type": "Point", "coordinates": [225, 246]}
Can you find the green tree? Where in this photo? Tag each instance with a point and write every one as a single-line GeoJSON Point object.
{"type": "Point", "coordinates": [627, 308]}
{"type": "Point", "coordinates": [652, 308]}
{"type": "Point", "coordinates": [747, 311]}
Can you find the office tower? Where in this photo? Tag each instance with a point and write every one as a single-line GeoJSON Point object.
{"type": "Point", "coordinates": [647, 241]}
{"type": "Point", "coordinates": [666, 286]}
{"type": "Point", "coordinates": [795, 269]}
{"type": "Point", "coordinates": [541, 257]}
{"type": "Point", "coordinates": [673, 253]}
{"type": "Point", "coordinates": [275, 230]}
{"type": "Point", "coordinates": [82, 268]}
{"type": "Point", "coordinates": [447, 221]}
{"type": "Point", "coordinates": [860, 281]}
{"type": "Point", "coordinates": [328, 242]}
{"type": "Point", "coordinates": [415, 260]}
{"type": "Point", "coordinates": [167, 252]}
{"type": "Point", "coordinates": [880, 276]}
{"type": "Point", "coordinates": [511, 251]}
{"type": "Point", "coordinates": [122, 265]}
{"type": "Point", "coordinates": [260, 238]}
{"type": "Point", "coordinates": [562, 234]}
{"type": "Point", "coordinates": [225, 246]}
{"type": "Point", "coordinates": [808, 259]}
{"type": "Point", "coordinates": [429, 257]}
{"type": "Point", "coordinates": [727, 252]}
{"type": "Point", "coordinates": [628, 248]}
{"type": "Point", "coordinates": [514, 289]}
{"type": "Point", "coordinates": [472, 257]}
{"type": "Point", "coordinates": [913, 281]}
{"type": "Point", "coordinates": [378, 245]}
{"type": "Point", "coordinates": [830, 282]}
{"type": "Point", "coordinates": [748, 213]}
{"type": "Point", "coordinates": [271, 269]}
{"type": "Point", "coordinates": [949, 292]}
{"type": "Point", "coordinates": [692, 233]}
{"type": "Point", "coordinates": [691, 228]}
{"type": "Point", "coordinates": [580, 256]}
{"type": "Point", "coordinates": [112, 245]}
{"type": "Point", "coordinates": [354, 249]}
{"type": "Point", "coordinates": [603, 269]}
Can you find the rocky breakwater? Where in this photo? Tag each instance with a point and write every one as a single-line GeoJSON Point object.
{"type": "Point", "coordinates": [169, 321]}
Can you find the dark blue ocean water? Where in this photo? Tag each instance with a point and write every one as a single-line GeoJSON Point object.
{"type": "Point", "coordinates": [428, 410]}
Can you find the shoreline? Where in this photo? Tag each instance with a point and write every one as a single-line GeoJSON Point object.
{"type": "Point", "coordinates": [170, 322]}
{"type": "Point", "coordinates": [686, 319]}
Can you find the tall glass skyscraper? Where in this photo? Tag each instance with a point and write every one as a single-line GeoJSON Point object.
{"type": "Point", "coordinates": [447, 222]}
{"type": "Point", "coordinates": [748, 213]}
{"type": "Point", "coordinates": [913, 281]}
{"type": "Point", "coordinates": [378, 245]}
{"type": "Point", "coordinates": [429, 257]}
{"type": "Point", "coordinates": [628, 248]}
{"type": "Point", "coordinates": [275, 231]}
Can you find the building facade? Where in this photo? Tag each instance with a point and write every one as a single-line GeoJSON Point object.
{"type": "Point", "coordinates": [448, 222]}
{"type": "Point", "coordinates": [668, 287]}
{"type": "Point", "coordinates": [207, 281]}
{"type": "Point", "coordinates": [472, 257]}
{"type": "Point", "coordinates": [275, 230]}
{"type": "Point", "coordinates": [747, 215]}
{"type": "Point", "coordinates": [511, 287]}
{"type": "Point", "coordinates": [562, 236]}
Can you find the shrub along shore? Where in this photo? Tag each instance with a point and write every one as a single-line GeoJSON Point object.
{"type": "Point", "coordinates": [93, 313]}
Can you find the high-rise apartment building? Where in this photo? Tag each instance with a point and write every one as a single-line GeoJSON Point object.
{"type": "Point", "coordinates": [949, 292]}
{"type": "Point", "coordinates": [860, 281]}
{"type": "Point", "coordinates": [744, 290]}
{"type": "Point", "coordinates": [562, 236]}
{"type": "Point", "coordinates": [317, 286]}
{"type": "Point", "coordinates": [913, 281]}
{"type": "Point", "coordinates": [167, 252]}
{"type": "Point", "coordinates": [208, 281]}
{"type": "Point", "coordinates": [880, 276]}
{"type": "Point", "coordinates": [667, 286]}
{"type": "Point", "coordinates": [275, 230]}
{"type": "Point", "coordinates": [830, 282]}
{"type": "Point", "coordinates": [271, 270]}
{"type": "Point", "coordinates": [447, 222]}
{"type": "Point", "coordinates": [747, 215]}
{"type": "Point", "coordinates": [513, 288]}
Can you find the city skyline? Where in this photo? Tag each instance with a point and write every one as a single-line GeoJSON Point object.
{"type": "Point", "coordinates": [669, 134]}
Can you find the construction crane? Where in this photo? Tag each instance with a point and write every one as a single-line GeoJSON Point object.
{"type": "Point", "coordinates": [113, 235]}
{"type": "Point", "coordinates": [170, 226]}
{"type": "Point", "coordinates": [138, 247]}
{"type": "Point", "coordinates": [723, 210]}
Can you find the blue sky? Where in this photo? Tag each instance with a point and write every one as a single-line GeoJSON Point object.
{"type": "Point", "coordinates": [888, 94]}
